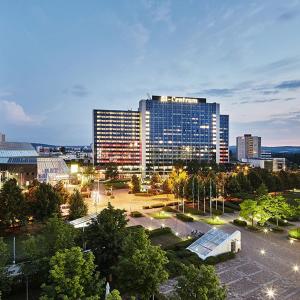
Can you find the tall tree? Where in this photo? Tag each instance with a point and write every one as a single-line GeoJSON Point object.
{"type": "Point", "coordinates": [251, 210]}
{"type": "Point", "coordinates": [62, 191]}
{"type": "Point", "coordinates": [199, 284]}
{"type": "Point", "coordinates": [72, 276]}
{"type": "Point", "coordinates": [155, 179]}
{"type": "Point", "coordinates": [144, 262]}
{"type": "Point", "coordinates": [78, 208]}
{"type": "Point", "coordinates": [105, 236]}
{"type": "Point", "coordinates": [12, 204]}
{"type": "Point", "coordinates": [5, 280]}
{"type": "Point", "coordinates": [45, 201]}
{"type": "Point", "coordinates": [261, 191]}
{"type": "Point", "coordinates": [135, 183]}
{"type": "Point", "coordinates": [276, 207]}
{"type": "Point", "coordinates": [111, 171]}
{"type": "Point", "coordinates": [56, 235]}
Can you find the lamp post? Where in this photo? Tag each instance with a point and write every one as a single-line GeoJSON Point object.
{"type": "Point", "coordinates": [210, 203]}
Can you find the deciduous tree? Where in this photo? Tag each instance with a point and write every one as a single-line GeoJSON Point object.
{"type": "Point", "coordinates": [78, 208]}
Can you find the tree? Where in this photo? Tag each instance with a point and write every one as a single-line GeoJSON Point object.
{"type": "Point", "coordinates": [244, 183]}
{"type": "Point", "coordinates": [254, 178]}
{"type": "Point", "coordinates": [199, 284]}
{"type": "Point", "coordinates": [144, 262]}
{"type": "Point", "coordinates": [262, 190]}
{"type": "Point", "coordinates": [105, 236]}
{"type": "Point", "coordinates": [167, 186]}
{"type": "Point", "coordinates": [12, 204]}
{"type": "Point", "coordinates": [155, 179]}
{"type": "Point", "coordinates": [62, 191]}
{"type": "Point", "coordinates": [251, 210]}
{"type": "Point", "coordinates": [111, 171]}
{"type": "Point", "coordinates": [44, 201]}
{"type": "Point", "coordinates": [233, 186]}
{"type": "Point", "coordinates": [276, 207]}
{"type": "Point", "coordinates": [78, 208]}
{"type": "Point", "coordinates": [56, 235]}
{"type": "Point", "coordinates": [72, 276]}
{"type": "Point", "coordinates": [135, 183]}
{"type": "Point", "coordinates": [114, 295]}
{"type": "Point", "coordinates": [5, 280]}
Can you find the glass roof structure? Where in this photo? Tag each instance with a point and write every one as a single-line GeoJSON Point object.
{"type": "Point", "coordinates": [208, 242]}
{"type": "Point", "coordinates": [84, 221]}
{"type": "Point", "coordinates": [13, 149]}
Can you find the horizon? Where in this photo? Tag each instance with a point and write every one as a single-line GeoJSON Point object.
{"type": "Point", "coordinates": [60, 64]}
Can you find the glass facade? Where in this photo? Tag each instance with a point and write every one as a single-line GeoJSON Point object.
{"type": "Point", "coordinates": [179, 128]}
{"type": "Point", "coordinates": [224, 138]}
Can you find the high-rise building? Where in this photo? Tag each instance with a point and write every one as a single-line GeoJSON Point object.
{"type": "Point", "coordinates": [2, 137]}
{"type": "Point", "coordinates": [117, 138]}
{"type": "Point", "coordinates": [248, 146]}
{"type": "Point", "coordinates": [164, 130]}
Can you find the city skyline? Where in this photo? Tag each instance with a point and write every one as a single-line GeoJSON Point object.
{"type": "Point", "coordinates": [61, 60]}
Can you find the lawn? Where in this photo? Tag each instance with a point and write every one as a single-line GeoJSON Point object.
{"type": "Point", "coordinates": [213, 221]}
{"type": "Point", "coordinates": [165, 240]}
{"type": "Point", "coordinates": [160, 215]}
{"type": "Point", "coordinates": [295, 233]}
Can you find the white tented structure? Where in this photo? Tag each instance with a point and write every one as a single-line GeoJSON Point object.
{"type": "Point", "coordinates": [216, 242]}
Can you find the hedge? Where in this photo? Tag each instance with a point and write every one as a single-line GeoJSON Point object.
{"type": "Point", "coordinates": [160, 231]}
{"type": "Point", "coordinates": [212, 260]}
{"type": "Point", "coordinates": [136, 214]}
{"type": "Point", "coordinates": [184, 217]}
{"type": "Point", "coordinates": [238, 222]}
{"type": "Point", "coordinates": [295, 233]}
{"type": "Point", "coordinates": [170, 209]}
{"type": "Point", "coordinates": [234, 206]}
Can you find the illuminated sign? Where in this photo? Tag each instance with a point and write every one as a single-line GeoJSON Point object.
{"type": "Point", "coordinates": [178, 99]}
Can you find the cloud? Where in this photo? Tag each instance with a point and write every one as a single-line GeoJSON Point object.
{"type": "Point", "coordinates": [13, 113]}
{"type": "Point", "coordinates": [293, 84]}
{"type": "Point", "coordinates": [284, 64]}
{"type": "Point", "coordinates": [219, 92]}
{"type": "Point", "coordinates": [77, 90]}
{"type": "Point", "coordinates": [267, 100]}
{"type": "Point", "coordinates": [288, 15]}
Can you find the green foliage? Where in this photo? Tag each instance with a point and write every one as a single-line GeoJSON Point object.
{"type": "Point", "coordinates": [145, 264]}
{"type": "Point", "coordinates": [262, 190]}
{"type": "Point", "coordinates": [5, 280]}
{"type": "Point", "coordinates": [105, 236]}
{"type": "Point", "coordinates": [111, 171]}
{"type": "Point", "coordinates": [160, 231]}
{"type": "Point", "coordinates": [56, 235]}
{"type": "Point", "coordinates": [44, 201]}
{"type": "Point", "coordinates": [136, 184]}
{"type": "Point", "coordinates": [251, 210]}
{"type": "Point", "coordinates": [12, 204]}
{"type": "Point", "coordinates": [295, 233]}
{"type": "Point", "coordinates": [114, 295]}
{"type": "Point", "coordinates": [72, 276]}
{"type": "Point", "coordinates": [184, 217]}
{"type": "Point", "coordinates": [62, 192]}
{"type": "Point", "coordinates": [276, 207]}
{"type": "Point", "coordinates": [78, 208]}
{"type": "Point", "coordinates": [199, 284]}
{"type": "Point", "coordinates": [233, 186]}
{"type": "Point", "coordinates": [136, 214]}
{"type": "Point", "coordinates": [155, 179]}
{"type": "Point", "coordinates": [239, 222]}
{"type": "Point", "coordinates": [213, 260]}
{"type": "Point", "coordinates": [167, 186]}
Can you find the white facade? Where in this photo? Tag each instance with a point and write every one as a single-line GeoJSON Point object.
{"type": "Point", "coordinates": [216, 242]}
{"type": "Point", "coordinates": [248, 147]}
{"type": "Point", "coordinates": [273, 164]}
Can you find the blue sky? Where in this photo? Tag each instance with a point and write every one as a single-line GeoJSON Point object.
{"type": "Point", "coordinates": [60, 59]}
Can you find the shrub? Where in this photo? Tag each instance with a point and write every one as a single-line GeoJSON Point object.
{"type": "Point", "coordinates": [181, 245]}
{"type": "Point", "coordinates": [172, 203]}
{"type": "Point", "coordinates": [228, 210]}
{"type": "Point", "coordinates": [136, 214]}
{"type": "Point", "coordinates": [295, 233]}
{"type": "Point", "coordinates": [193, 211]}
{"type": "Point", "coordinates": [277, 229]}
{"type": "Point", "coordinates": [184, 217]}
{"type": "Point", "coordinates": [158, 205]}
{"type": "Point", "coordinates": [234, 206]}
{"type": "Point", "coordinates": [238, 222]}
{"type": "Point", "coordinates": [253, 228]}
{"type": "Point", "coordinates": [217, 212]}
{"type": "Point", "coordinates": [170, 209]}
{"type": "Point", "coordinates": [219, 258]}
{"type": "Point", "coordinates": [280, 222]}
{"type": "Point", "coordinates": [146, 207]}
{"type": "Point", "coordinates": [214, 221]}
{"type": "Point", "coordinates": [160, 231]}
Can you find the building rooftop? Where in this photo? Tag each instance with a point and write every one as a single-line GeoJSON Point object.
{"type": "Point", "coordinates": [16, 149]}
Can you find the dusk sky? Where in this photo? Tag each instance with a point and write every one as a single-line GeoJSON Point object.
{"type": "Point", "coordinates": [61, 59]}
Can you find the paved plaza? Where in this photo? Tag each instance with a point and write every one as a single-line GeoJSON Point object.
{"type": "Point", "coordinates": [250, 274]}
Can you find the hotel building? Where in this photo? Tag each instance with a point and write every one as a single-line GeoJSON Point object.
{"type": "Point", "coordinates": [117, 139]}
{"type": "Point", "coordinates": [165, 129]}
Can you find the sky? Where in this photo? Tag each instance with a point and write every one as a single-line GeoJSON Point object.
{"type": "Point", "coordinates": [59, 60]}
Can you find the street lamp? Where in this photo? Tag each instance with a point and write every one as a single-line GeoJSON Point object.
{"type": "Point", "coordinates": [296, 268]}
{"type": "Point", "coordinates": [271, 293]}
{"type": "Point", "coordinates": [262, 251]}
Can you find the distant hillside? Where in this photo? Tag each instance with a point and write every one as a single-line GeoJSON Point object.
{"type": "Point", "coordinates": [278, 149]}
